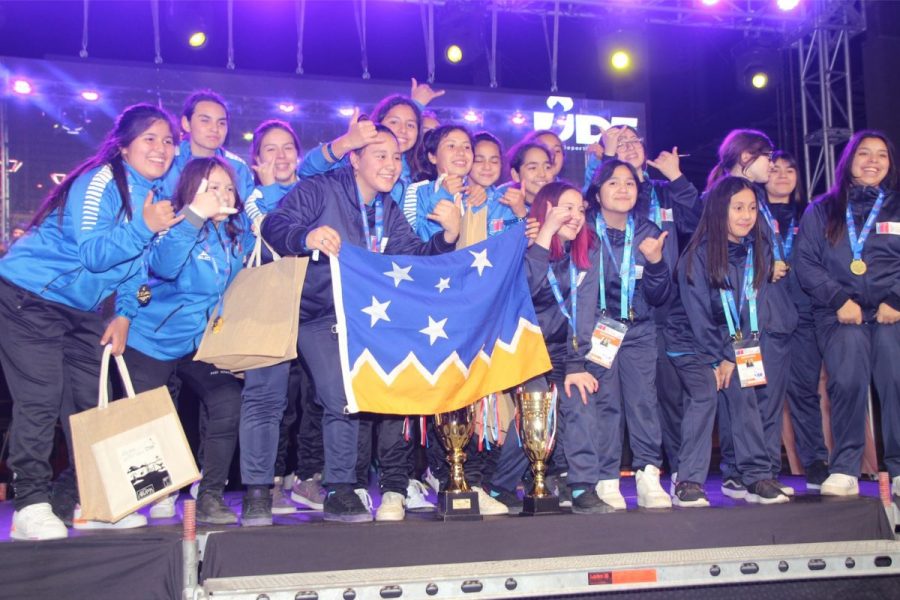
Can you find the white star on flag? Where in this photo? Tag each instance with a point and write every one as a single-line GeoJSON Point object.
{"type": "Point", "coordinates": [378, 311]}
{"type": "Point", "coordinates": [443, 284]}
{"type": "Point", "coordinates": [398, 273]}
{"type": "Point", "coordinates": [481, 260]}
{"type": "Point", "coordinates": [435, 330]}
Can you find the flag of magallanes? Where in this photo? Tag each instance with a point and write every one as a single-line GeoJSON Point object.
{"type": "Point", "coordinates": [427, 334]}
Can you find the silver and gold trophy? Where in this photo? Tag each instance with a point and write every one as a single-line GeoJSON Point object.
{"type": "Point", "coordinates": [536, 422]}
{"type": "Point", "coordinates": [454, 429]}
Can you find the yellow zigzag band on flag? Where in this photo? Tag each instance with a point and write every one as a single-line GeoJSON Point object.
{"type": "Point", "coordinates": [410, 392]}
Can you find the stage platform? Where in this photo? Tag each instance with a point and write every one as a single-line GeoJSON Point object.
{"type": "Point", "coordinates": [829, 546]}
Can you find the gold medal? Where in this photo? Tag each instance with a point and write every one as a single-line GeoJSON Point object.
{"type": "Point", "coordinates": [144, 294]}
{"type": "Point", "coordinates": [217, 325]}
{"type": "Point", "coordinates": [574, 342]}
{"type": "Point", "coordinates": [631, 314]}
{"type": "Point", "coordinates": [858, 267]}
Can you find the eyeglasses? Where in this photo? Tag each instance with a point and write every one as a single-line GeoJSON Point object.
{"type": "Point", "coordinates": [633, 142]}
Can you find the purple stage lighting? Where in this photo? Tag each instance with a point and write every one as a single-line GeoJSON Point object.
{"type": "Point", "coordinates": [90, 95]}
{"type": "Point", "coordinates": [22, 86]}
{"type": "Point", "coordinates": [518, 118]}
{"type": "Point", "coordinates": [286, 107]}
{"type": "Point", "coordinates": [346, 111]}
{"type": "Point", "coordinates": [472, 117]}
{"type": "Point", "coordinates": [787, 5]}
{"type": "Point", "coordinates": [709, 2]}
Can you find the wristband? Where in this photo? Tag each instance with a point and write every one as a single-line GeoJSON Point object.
{"type": "Point", "coordinates": [330, 151]}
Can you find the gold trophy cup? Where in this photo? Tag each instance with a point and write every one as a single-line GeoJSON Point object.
{"type": "Point", "coordinates": [536, 419]}
{"type": "Point", "coordinates": [458, 502]}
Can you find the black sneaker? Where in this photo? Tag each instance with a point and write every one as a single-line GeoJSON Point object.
{"type": "Point", "coordinates": [585, 501]}
{"type": "Point", "coordinates": [733, 488]}
{"type": "Point", "coordinates": [510, 499]}
{"type": "Point", "coordinates": [689, 494]}
{"type": "Point", "coordinates": [64, 497]}
{"type": "Point", "coordinates": [816, 474]}
{"type": "Point", "coordinates": [765, 492]}
{"type": "Point", "coordinates": [256, 508]}
{"type": "Point", "coordinates": [344, 505]}
{"type": "Point", "coordinates": [211, 508]}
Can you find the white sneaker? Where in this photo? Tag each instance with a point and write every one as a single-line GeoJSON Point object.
{"type": "Point", "coordinates": [895, 485]}
{"type": "Point", "coordinates": [785, 488]}
{"type": "Point", "coordinates": [649, 492]}
{"type": "Point", "coordinates": [608, 491]}
{"type": "Point", "coordinates": [673, 483]}
{"type": "Point", "coordinates": [391, 508]}
{"type": "Point", "coordinates": [416, 493]}
{"type": "Point", "coordinates": [132, 521]}
{"type": "Point", "coordinates": [488, 505]}
{"type": "Point", "coordinates": [839, 484]}
{"type": "Point", "coordinates": [432, 481]}
{"type": "Point", "coordinates": [164, 508]}
{"type": "Point", "coordinates": [364, 497]}
{"type": "Point", "coordinates": [37, 522]}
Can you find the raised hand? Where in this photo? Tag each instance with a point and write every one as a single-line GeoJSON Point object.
{"type": "Point", "coordinates": [265, 172]}
{"type": "Point", "coordinates": [610, 140]}
{"type": "Point", "coordinates": [556, 217]}
{"type": "Point", "coordinates": [652, 248]}
{"type": "Point", "coordinates": [423, 94]}
{"type": "Point", "coordinates": [207, 203]}
{"type": "Point", "coordinates": [532, 227]}
{"type": "Point", "coordinates": [850, 313]}
{"type": "Point", "coordinates": [668, 164]}
{"type": "Point", "coordinates": [514, 198]}
{"type": "Point", "coordinates": [475, 195]}
{"type": "Point", "coordinates": [453, 184]}
{"type": "Point", "coordinates": [449, 216]}
{"type": "Point", "coordinates": [159, 216]}
{"type": "Point", "coordinates": [360, 133]}
{"type": "Point", "coordinates": [596, 149]}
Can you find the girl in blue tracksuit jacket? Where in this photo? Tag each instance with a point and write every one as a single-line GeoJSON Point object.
{"type": "Point", "coordinates": [635, 279]}
{"type": "Point", "coordinates": [673, 205]}
{"type": "Point", "coordinates": [848, 261]}
{"type": "Point", "coordinates": [747, 153]}
{"type": "Point", "coordinates": [505, 208]}
{"type": "Point", "coordinates": [192, 265]}
{"type": "Point", "coordinates": [276, 153]}
{"type": "Point", "coordinates": [724, 280]}
{"type": "Point", "coordinates": [783, 193]}
{"type": "Point", "coordinates": [319, 215]}
{"type": "Point", "coordinates": [85, 242]}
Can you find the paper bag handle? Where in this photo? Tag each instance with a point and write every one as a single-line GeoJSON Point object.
{"type": "Point", "coordinates": [103, 395]}
{"type": "Point", "coordinates": [256, 255]}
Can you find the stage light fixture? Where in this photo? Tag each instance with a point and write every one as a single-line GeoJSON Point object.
{"type": "Point", "coordinates": [759, 80]}
{"type": "Point", "coordinates": [90, 95]}
{"type": "Point", "coordinates": [620, 60]}
{"type": "Point", "coordinates": [248, 136]}
{"type": "Point", "coordinates": [709, 2]}
{"type": "Point", "coordinates": [454, 54]}
{"type": "Point", "coordinates": [22, 86]}
{"type": "Point", "coordinates": [346, 111]}
{"type": "Point", "coordinates": [287, 107]}
{"type": "Point", "coordinates": [197, 39]}
{"type": "Point", "coordinates": [57, 178]}
{"type": "Point", "coordinates": [472, 117]}
{"type": "Point", "coordinates": [518, 118]}
{"type": "Point", "coordinates": [787, 5]}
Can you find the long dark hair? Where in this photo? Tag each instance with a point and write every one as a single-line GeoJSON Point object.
{"type": "Point", "coordinates": [733, 146]}
{"type": "Point", "coordinates": [835, 200]}
{"type": "Point", "coordinates": [198, 169]}
{"type": "Point", "coordinates": [601, 176]}
{"type": "Point", "coordinates": [383, 108]}
{"type": "Point", "coordinates": [430, 143]}
{"type": "Point", "coordinates": [796, 197]}
{"type": "Point", "coordinates": [581, 245]}
{"type": "Point", "coordinates": [713, 230]}
{"type": "Point", "coordinates": [131, 123]}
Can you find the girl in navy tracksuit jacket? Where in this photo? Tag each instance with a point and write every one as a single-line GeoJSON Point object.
{"type": "Point", "coordinates": [747, 153]}
{"type": "Point", "coordinates": [635, 280]}
{"type": "Point", "coordinates": [85, 242]}
{"type": "Point", "coordinates": [320, 214]}
{"type": "Point", "coordinates": [783, 194]}
{"type": "Point", "coordinates": [672, 204]}
{"type": "Point", "coordinates": [192, 265]}
{"type": "Point", "coordinates": [849, 263]}
{"type": "Point", "coordinates": [727, 267]}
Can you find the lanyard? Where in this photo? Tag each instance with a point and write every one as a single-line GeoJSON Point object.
{"type": "Point", "coordinates": [373, 245]}
{"type": "Point", "coordinates": [627, 270]}
{"type": "Point", "coordinates": [777, 248]}
{"type": "Point", "coordinates": [788, 240]}
{"type": "Point", "coordinates": [733, 311]}
{"type": "Point", "coordinates": [857, 243]}
{"type": "Point", "coordinates": [573, 294]}
{"type": "Point", "coordinates": [655, 213]}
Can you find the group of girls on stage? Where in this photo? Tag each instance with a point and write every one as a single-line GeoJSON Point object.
{"type": "Point", "coordinates": [664, 311]}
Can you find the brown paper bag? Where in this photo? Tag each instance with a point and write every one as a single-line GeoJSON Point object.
{"type": "Point", "coordinates": [473, 228]}
{"type": "Point", "coordinates": [259, 316]}
{"type": "Point", "coordinates": [129, 453]}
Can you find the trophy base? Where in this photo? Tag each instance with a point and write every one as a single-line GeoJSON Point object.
{"type": "Point", "coordinates": [458, 506]}
{"type": "Point", "coordinates": [540, 505]}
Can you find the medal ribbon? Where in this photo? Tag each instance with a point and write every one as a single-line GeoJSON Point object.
{"type": "Point", "coordinates": [733, 311]}
{"type": "Point", "coordinates": [627, 270]}
{"type": "Point", "coordinates": [373, 245]}
{"type": "Point", "coordinates": [777, 247]}
{"type": "Point", "coordinates": [857, 243]}
{"type": "Point", "coordinates": [655, 212]}
{"type": "Point", "coordinates": [573, 294]}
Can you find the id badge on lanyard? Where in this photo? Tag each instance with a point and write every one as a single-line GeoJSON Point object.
{"type": "Point", "coordinates": [749, 362]}
{"type": "Point", "coordinates": [606, 340]}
